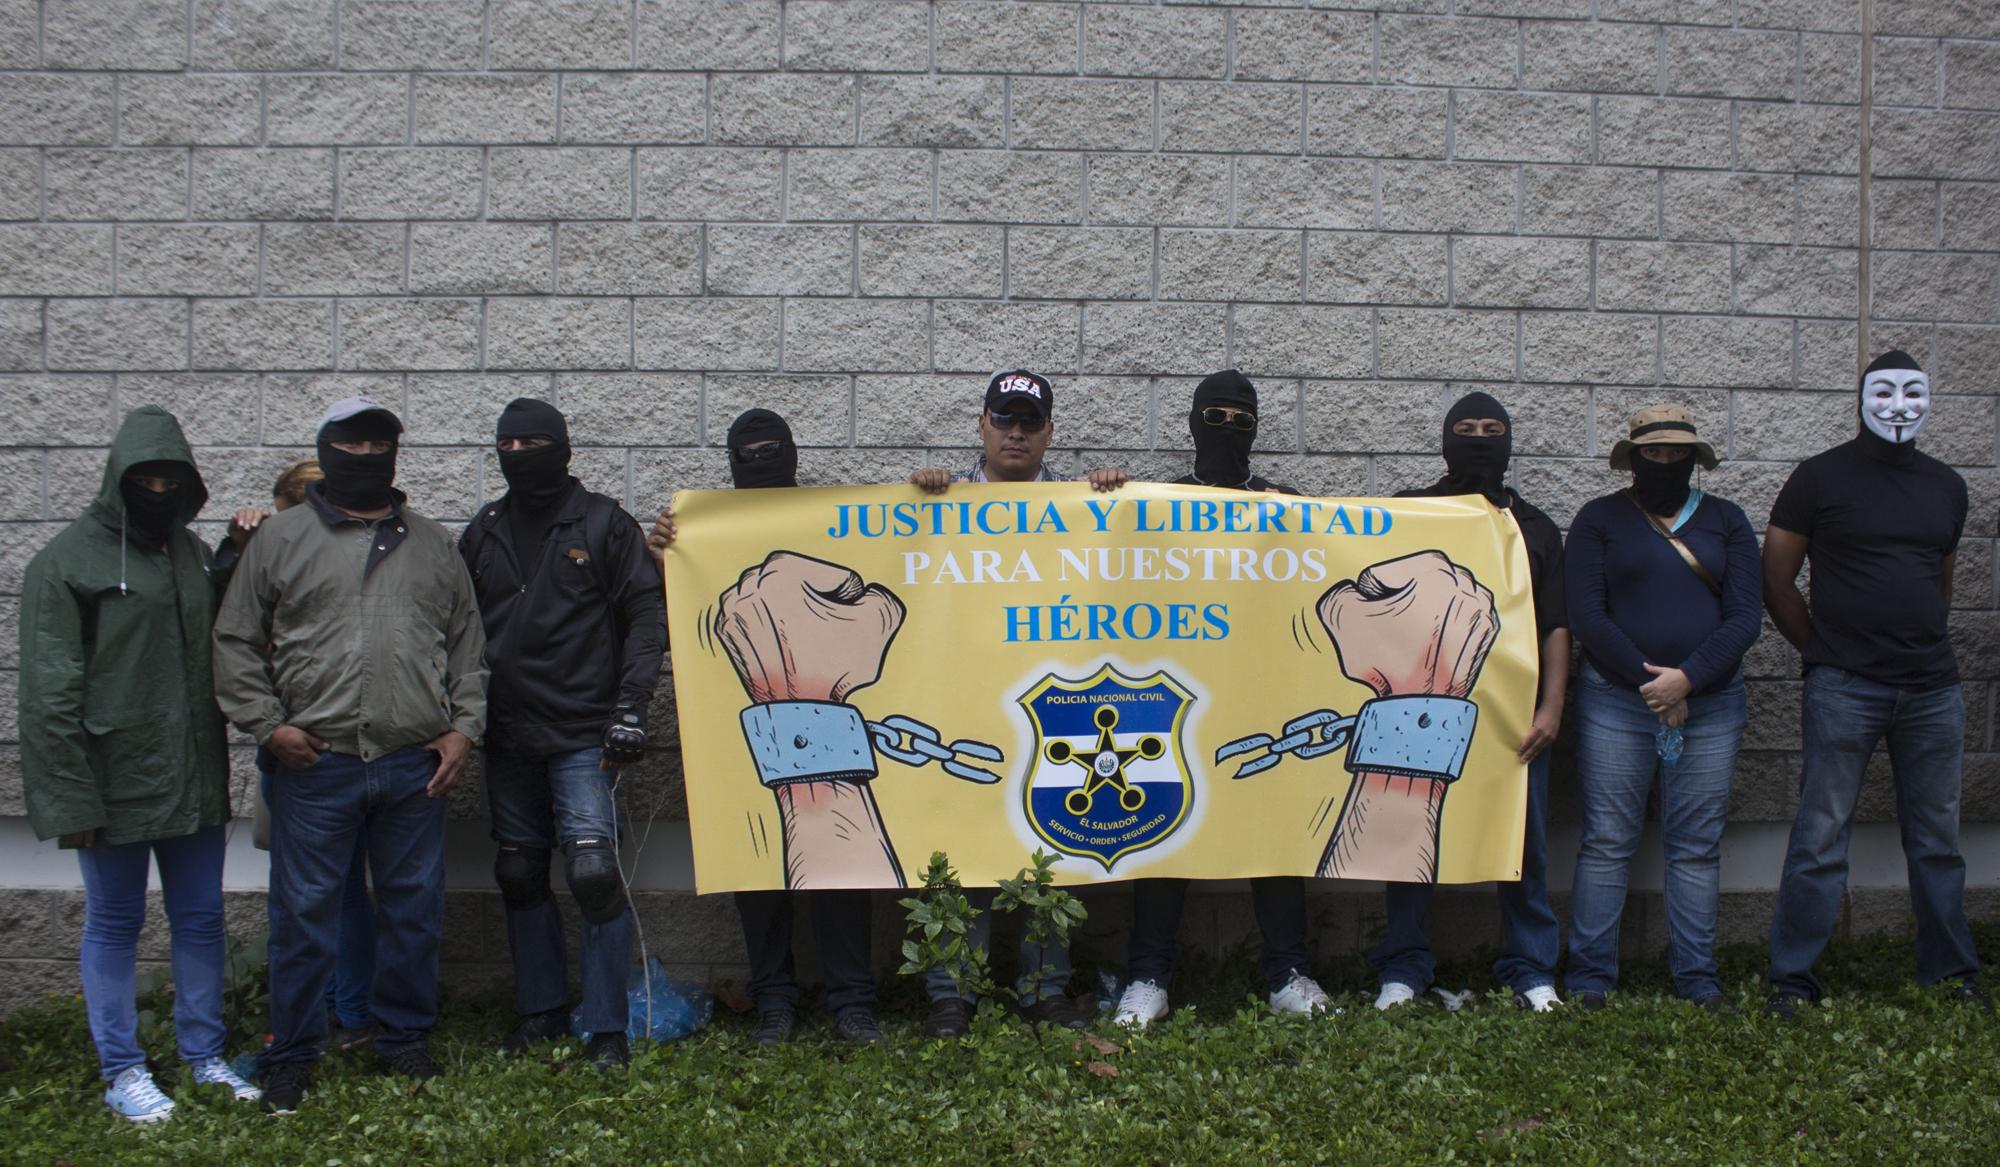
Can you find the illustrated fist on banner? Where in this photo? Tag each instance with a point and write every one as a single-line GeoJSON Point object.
{"type": "Point", "coordinates": [802, 629]}
{"type": "Point", "coordinates": [1419, 624]}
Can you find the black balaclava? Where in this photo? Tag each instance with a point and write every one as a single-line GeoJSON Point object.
{"type": "Point", "coordinates": [537, 479]}
{"type": "Point", "coordinates": [1875, 434]}
{"type": "Point", "coordinates": [154, 517]}
{"type": "Point", "coordinates": [761, 425]}
{"type": "Point", "coordinates": [1661, 487]}
{"type": "Point", "coordinates": [1478, 465]}
{"type": "Point", "coordinates": [359, 482]}
{"type": "Point", "coordinates": [1222, 453]}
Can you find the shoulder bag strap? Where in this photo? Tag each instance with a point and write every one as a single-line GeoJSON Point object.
{"type": "Point", "coordinates": [1687, 555]}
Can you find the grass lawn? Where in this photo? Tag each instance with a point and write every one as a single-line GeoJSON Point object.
{"type": "Point", "coordinates": [1882, 1073]}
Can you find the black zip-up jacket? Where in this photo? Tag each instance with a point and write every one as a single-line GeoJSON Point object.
{"type": "Point", "coordinates": [572, 630]}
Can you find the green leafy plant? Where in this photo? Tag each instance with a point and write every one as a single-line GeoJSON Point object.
{"type": "Point", "coordinates": [1049, 913]}
{"type": "Point", "coordinates": [940, 921]}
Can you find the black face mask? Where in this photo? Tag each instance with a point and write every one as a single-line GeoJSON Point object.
{"type": "Point", "coordinates": [152, 516]}
{"type": "Point", "coordinates": [1222, 452]}
{"type": "Point", "coordinates": [357, 482]}
{"type": "Point", "coordinates": [1476, 465]}
{"type": "Point", "coordinates": [752, 469]}
{"type": "Point", "coordinates": [1661, 487]}
{"type": "Point", "coordinates": [538, 478]}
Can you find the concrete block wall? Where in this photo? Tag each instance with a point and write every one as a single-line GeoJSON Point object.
{"type": "Point", "coordinates": [659, 212]}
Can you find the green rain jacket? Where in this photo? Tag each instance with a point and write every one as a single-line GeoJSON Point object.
{"type": "Point", "coordinates": [120, 733]}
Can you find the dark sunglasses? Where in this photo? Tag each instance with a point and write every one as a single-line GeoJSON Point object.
{"type": "Point", "coordinates": [750, 454]}
{"type": "Point", "coordinates": [1227, 418]}
{"type": "Point", "coordinates": [1027, 423]}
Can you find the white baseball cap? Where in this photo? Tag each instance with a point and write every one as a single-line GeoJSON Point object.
{"type": "Point", "coordinates": [348, 408]}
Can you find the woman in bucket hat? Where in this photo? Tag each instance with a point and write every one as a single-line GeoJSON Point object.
{"type": "Point", "coordinates": [1665, 592]}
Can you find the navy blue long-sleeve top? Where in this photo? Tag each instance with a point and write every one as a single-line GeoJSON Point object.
{"type": "Point", "coordinates": [1633, 600]}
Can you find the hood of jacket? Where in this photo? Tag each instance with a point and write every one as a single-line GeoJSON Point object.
{"type": "Point", "coordinates": [148, 434]}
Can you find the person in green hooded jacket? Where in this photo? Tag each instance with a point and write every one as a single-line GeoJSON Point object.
{"type": "Point", "coordinates": [123, 754]}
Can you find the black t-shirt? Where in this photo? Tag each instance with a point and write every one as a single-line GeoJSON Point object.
{"type": "Point", "coordinates": [1880, 524]}
{"type": "Point", "coordinates": [1545, 555]}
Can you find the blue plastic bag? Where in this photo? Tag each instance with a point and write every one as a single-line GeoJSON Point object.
{"type": "Point", "coordinates": [679, 1008]}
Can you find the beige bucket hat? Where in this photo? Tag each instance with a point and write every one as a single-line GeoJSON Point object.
{"type": "Point", "coordinates": [1661, 425]}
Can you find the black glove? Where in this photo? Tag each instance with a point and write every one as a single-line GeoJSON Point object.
{"type": "Point", "coordinates": [625, 736]}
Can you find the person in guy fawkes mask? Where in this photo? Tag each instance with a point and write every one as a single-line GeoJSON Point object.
{"type": "Point", "coordinates": [762, 454]}
{"type": "Point", "coordinates": [575, 634]}
{"type": "Point", "coordinates": [1478, 443]}
{"type": "Point", "coordinates": [1879, 522]}
{"type": "Point", "coordinates": [1223, 423]}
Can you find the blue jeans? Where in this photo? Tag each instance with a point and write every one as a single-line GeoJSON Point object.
{"type": "Point", "coordinates": [114, 909]}
{"type": "Point", "coordinates": [1843, 716]}
{"type": "Point", "coordinates": [1279, 902]}
{"type": "Point", "coordinates": [1529, 936]}
{"type": "Point", "coordinates": [354, 954]}
{"type": "Point", "coordinates": [1616, 763]}
{"type": "Point", "coordinates": [1050, 983]}
{"type": "Point", "coordinates": [543, 803]}
{"type": "Point", "coordinates": [317, 816]}
{"type": "Point", "coordinates": [842, 925]}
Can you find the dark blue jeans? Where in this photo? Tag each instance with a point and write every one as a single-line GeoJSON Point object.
{"type": "Point", "coordinates": [1530, 939]}
{"type": "Point", "coordinates": [544, 803]}
{"type": "Point", "coordinates": [1279, 902]}
{"type": "Point", "coordinates": [354, 953]}
{"type": "Point", "coordinates": [842, 926]}
{"type": "Point", "coordinates": [1843, 716]}
{"type": "Point", "coordinates": [317, 816]}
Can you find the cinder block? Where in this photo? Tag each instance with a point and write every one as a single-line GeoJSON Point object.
{"type": "Point", "coordinates": [573, 182]}
{"type": "Point", "coordinates": [979, 37]}
{"type": "Point", "coordinates": [213, 409]}
{"type": "Point", "coordinates": [1678, 11]}
{"type": "Point", "coordinates": [1521, 273]}
{"type": "Point", "coordinates": [1971, 75]}
{"type": "Point", "coordinates": [706, 333]}
{"type": "Point", "coordinates": [411, 34]}
{"type": "Point", "coordinates": [1374, 416]}
{"type": "Point", "coordinates": [559, 34]}
{"type": "Point", "coordinates": [1436, 196]}
{"type": "Point", "coordinates": [1663, 277]}
{"type": "Point", "coordinates": [634, 108]}
{"type": "Point", "coordinates": [1304, 192]}
{"type": "Point", "coordinates": [1796, 281]}
{"type": "Point", "coordinates": [1517, 127]}
{"type": "Point", "coordinates": [1286, 341]}
{"type": "Point", "coordinates": [1819, 139]}
{"type": "Point", "coordinates": [20, 185]}
{"type": "Point", "coordinates": [1001, 186]}
{"type": "Point", "coordinates": [116, 335]}
{"type": "Point", "coordinates": [1160, 190]}
{"type": "Point", "coordinates": [857, 336]}
{"type": "Point", "coordinates": [1963, 355]}
{"type": "Point", "coordinates": [1365, 122]}
{"type": "Point", "coordinates": [339, 110]}
{"type": "Point", "coordinates": [628, 259]}
{"type": "Point", "coordinates": [538, 333]}
{"type": "Point", "coordinates": [1568, 347]}
{"type": "Point", "coordinates": [486, 107]}
{"type": "Point", "coordinates": [1304, 46]}
{"type": "Point", "coordinates": [149, 34]}
{"type": "Point", "coordinates": [1650, 131]}
{"type": "Point", "coordinates": [930, 111]}
{"type": "Point", "coordinates": [1909, 143]}
{"type": "Point", "coordinates": [1371, 268]}
{"type": "Point", "coordinates": [1594, 57]}
{"type": "Point", "coordinates": [775, 261]}
{"type": "Point", "coordinates": [1052, 114]}
{"type": "Point", "coordinates": [1708, 62]}
{"type": "Point", "coordinates": [1231, 265]}
{"type": "Point", "coordinates": [19, 36]}
{"type": "Point", "coordinates": [333, 260]}
{"type": "Point", "coordinates": [458, 409]}
{"type": "Point", "coordinates": [709, 34]}
{"type": "Point", "coordinates": [1906, 72]}
{"type": "Point", "coordinates": [56, 410]}
{"type": "Point", "coordinates": [293, 402]}
{"type": "Point", "coordinates": [815, 407]}
{"type": "Point", "coordinates": [436, 183]}
{"type": "Point", "coordinates": [409, 334]}
{"type": "Point", "coordinates": [1830, 69]}
{"type": "Point", "coordinates": [846, 185]}
{"type": "Point", "coordinates": [44, 110]}
{"type": "Point", "coordinates": [886, 36]}
{"type": "Point", "coordinates": [784, 109]}
{"type": "Point", "coordinates": [21, 350]}
{"type": "Point", "coordinates": [1911, 285]}
{"type": "Point", "coordinates": [1455, 51]}
{"type": "Point", "coordinates": [1710, 351]}
{"type": "Point", "coordinates": [1971, 215]}
{"type": "Point", "coordinates": [1153, 42]}
{"type": "Point", "coordinates": [1781, 426]}
{"type": "Point", "coordinates": [263, 334]}
{"type": "Point", "coordinates": [1811, 15]}
{"type": "Point", "coordinates": [651, 409]}
{"type": "Point", "coordinates": [263, 34]}
{"type": "Point", "coordinates": [1445, 344]}
{"type": "Point", "coordinates": [1120, 338]}
{"type": "Point", "coordinates": [1605, 201]}
{"type": "Point", "coordinates": [1746, 208]}
{"type": "Point", "coordinates": [930, 261]}
{"type": "Point", "coordinates": [920, 411]}
{"type": "Point", "coordinates": [116, 184]}
{"type": "Point", "coordinates": [471, 258]}
{"type": "Point", "coordinates": [976, 338]}
{"type": "Point", "coordinates": [1905, 214]}
{"type": "Point", "coordinates": [188, 111]}
{"type": "Point", "coordinates": [38, 260]}
{"type": "Point", "coordinates": [1080, 263]}
{"type": "Point", "coordinates": [697, 183]}
{"type": "Point", "coordinates": [1231, 117]}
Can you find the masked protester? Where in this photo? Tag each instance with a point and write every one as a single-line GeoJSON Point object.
{"type": "Point", "coordinates": [350, 647]}
{"type": "Point", "coordinates": [1223, 422]}
{"type": "Point", "coordinates": [575, 634]}
{"type": "Point", "coordinates": [1664, 594]}
{"type": "Point", "coordinates": [1478, 442]}
{"type": "Point", "coordinates": [763, 455]}
{"type": "Point", "coordinates": [1879, 523]}
{"type": "Point", "coordinates": [147, 780]}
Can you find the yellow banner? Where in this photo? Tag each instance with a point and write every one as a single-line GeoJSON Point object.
{"type": "Point", "coordinates": [1154, 681]}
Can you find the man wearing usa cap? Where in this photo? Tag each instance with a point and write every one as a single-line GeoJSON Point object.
{"type": "Point", "coordinates": [349, 645]}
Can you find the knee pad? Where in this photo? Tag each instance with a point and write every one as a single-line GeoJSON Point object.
{"type": "Point", "coordinates": [523, 876]}
{"type": "Point", "coordinates": [594, 881]}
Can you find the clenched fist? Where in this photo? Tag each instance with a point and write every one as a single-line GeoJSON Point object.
{"type": "Point", "coordinates": [1419, 624]}
{"type": "Point", "coordinates": [803, 629]}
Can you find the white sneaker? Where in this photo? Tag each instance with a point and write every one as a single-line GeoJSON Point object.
{"type": "Point", "coordinates": [1301, 994]}
{"type": "Point", "coordinates": [1394, 993]}
{"type": "Point", "coordinates": [1541, 999]}
{"type": "Point", "coordinates": [1141, 1004]}
{"type": "Point", "coordinates": [133, 1096]}
{"type": "Point", "coordinates": [216, 1072]}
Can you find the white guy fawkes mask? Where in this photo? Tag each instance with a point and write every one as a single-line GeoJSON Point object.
{"type": "Point", "coordinates": [1895, 403]}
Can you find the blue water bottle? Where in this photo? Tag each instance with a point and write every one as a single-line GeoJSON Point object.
{"type": "Point", "coordinates": [1667, 744]}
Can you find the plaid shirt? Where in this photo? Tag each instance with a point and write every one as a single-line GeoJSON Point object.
{"type": "Point", "coordinates": [978, 473]}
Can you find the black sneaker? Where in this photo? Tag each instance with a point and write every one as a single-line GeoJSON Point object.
{"type": "Point", "coordinates": [1588, 1001]}
{"type": "Point", "coordinates": [950, 1017]}
{"type": "Point", "coordinates": [774, 1026]}
{"type": "Point", "coordinates": [1717, 1005]}
{"type": "Point", "coordinates": [608, 1051]}
{"type": "Point", "coordinates": [1783, 1006]}
{"type": "Point", "coordinates": [1055, 1011]}
{"type": "Point", "coordinates": [536, 1027]}
{"type": "Point", "coordinates": [1968, 992]}
{"type": "Point", "coordinates": [857, 1025]}
{"type": "Point", "coordinates": [414, 1062]}
{"type": "Point", "coordinates": [285, 1087]}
